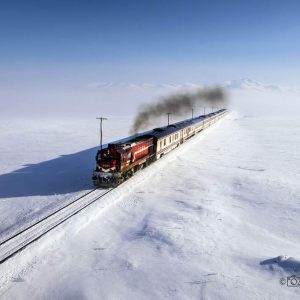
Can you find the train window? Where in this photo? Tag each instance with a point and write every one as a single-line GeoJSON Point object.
{"type": "Point", "coordinates": [160, 144]}
{"type": "Point", "coordinates": [165, 142]}
{"type": "Point", "coordinates": [170, 139]}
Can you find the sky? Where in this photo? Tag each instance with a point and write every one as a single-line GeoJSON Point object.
{"type": "Point", "coordinates": [56, 49]}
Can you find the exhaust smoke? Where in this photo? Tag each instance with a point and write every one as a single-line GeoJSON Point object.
{"type": "Point", "coordinates": [178, 105]}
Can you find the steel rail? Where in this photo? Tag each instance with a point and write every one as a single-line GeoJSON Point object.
{"type": "Point", "coordinates": [32, 233]}
{"type": "Point", "coordinates": [44, 218]}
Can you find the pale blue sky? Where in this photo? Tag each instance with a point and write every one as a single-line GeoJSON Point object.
{"type": "Point", "coordinates": [58, 47]}
{"type": "Point", "coordinates": [223, 38]}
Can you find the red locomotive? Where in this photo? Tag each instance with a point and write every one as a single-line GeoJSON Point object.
{"type": "Point", "coordinates": [120, 161]}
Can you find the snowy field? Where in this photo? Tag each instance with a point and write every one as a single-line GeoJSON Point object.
{"type": "Point", "coordinates": [59, 157]}
{"type": "Point", "coordinates": [205, 222]}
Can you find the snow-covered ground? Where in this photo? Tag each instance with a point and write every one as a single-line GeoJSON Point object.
{"type": "Point", "coordinates": [207, 221]}
{"type": "Point", "coordinates": [46, 163]}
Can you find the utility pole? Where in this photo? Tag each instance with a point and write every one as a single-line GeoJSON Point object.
{"type": "Point", "coordinates": [192, 113]}
{"type": "Point", "coordinates": [168, 118]}
{"type": "Point", "coordinates": [101, 119]}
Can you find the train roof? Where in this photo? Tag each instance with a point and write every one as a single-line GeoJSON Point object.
{"type": "Point", "coordinates": [133, 141]}
{"type": "Point", "coordinates": [163, 131]}
{"type": "Point", "coordinates": [167, 130]}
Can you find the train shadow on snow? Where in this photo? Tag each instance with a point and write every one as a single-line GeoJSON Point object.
{"type": "Point", "coordinates": [65, 174]}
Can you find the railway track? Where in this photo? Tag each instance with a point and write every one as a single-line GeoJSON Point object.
{"type": "Point", "coordinates": [27, 236]}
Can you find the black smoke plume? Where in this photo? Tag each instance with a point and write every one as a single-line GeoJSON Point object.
{"type": "Point", "coordinates": [178, 105]}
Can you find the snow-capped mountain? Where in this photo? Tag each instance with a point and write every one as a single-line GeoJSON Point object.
{"type": "Point", "coordinates": [237, 84]}
{"type": "Point", "coordinates": [144, 85]}
{"type": "Point", "coordinates": [249, 84]}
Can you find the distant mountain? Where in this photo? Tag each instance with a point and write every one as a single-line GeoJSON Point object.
{"type": "Point", "coordinates": [249, 84]}
{"type": "Point", "coordinates": [145, 85]}
{"type": "Point", "coordinates": [241, 84]}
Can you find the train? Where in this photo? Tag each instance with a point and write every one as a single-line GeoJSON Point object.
{"type": "Point", "coordinates": [121, 160]}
